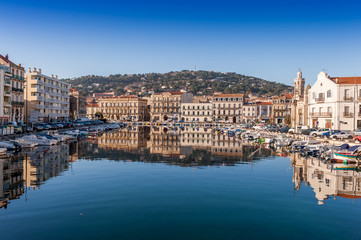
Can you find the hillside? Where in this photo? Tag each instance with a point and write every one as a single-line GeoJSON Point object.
{"type": "Point", "coordinates": [199, 83]}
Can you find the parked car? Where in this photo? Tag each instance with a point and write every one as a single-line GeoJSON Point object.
{"type": "Point", "coordinates": [342, 135]}
{"type": "Point", "coordinates": [324, 132]}
{"type": "Point", "coordinates": [357, 139]}
{"type": "Point", "coordinates": [358, 132]}
{"type": "Point", "coordinates": [283, 129]}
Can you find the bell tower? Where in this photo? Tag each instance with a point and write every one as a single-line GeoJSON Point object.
{"type": "Point", "coordinates": [299, 86]}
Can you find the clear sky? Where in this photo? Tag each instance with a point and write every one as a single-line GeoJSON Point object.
{"type": "Point", "coordinates": [267, 39]}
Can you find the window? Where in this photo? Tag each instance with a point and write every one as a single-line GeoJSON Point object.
{"type": "Point", "coordinates": [329, 94]}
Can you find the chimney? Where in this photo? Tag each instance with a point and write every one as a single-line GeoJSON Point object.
{"type": "Point", "coordinates": [56, 76]}
{"type": "Point", "coordinates": [336, 80]}
{"type": "Point", "coordinates": [7, 57]}
{"type": "Point", "coordinates": [52, 75]}
{"type": "Point", "coordinates": [39, 70]}
{"type": "Point", "coordinates": [19, 64]}
{"type": "Point", "coordinates": [34, 70]}
{"type": "Point", "coordinates": [29, 70]}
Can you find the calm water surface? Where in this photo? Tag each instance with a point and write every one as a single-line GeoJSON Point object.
{"type": "Point", "coordinates": [164, 188]}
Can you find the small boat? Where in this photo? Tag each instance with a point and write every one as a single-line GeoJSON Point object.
{"type": "Point", "coordinates": [345, 167]}
{"type": "Point", "coordinates": [2, 150]}
{"type": "Point", "coordinates": [351, 154]}
{"type": "Point", "coordinates": [26, 143]}
{"type": "Point", "coordinates": [10, 146]}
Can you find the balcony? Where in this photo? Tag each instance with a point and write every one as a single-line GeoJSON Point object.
{"type": "Point", "coordinates": [347, 114]}
{"type": "Point", "coordinates": [7, 93]}
{"type": "Point", "coordinates": [7, 104]}
{"type": "Point", "coordinates": [321, 114]}
{"type": "Point", "coordinates": [7, 83]}
{"type": "Point", "coordinates": [17, 89]}
{"type": "Point", "coordinates": [320, 100]}
{"type": "Point", "coordinates": [17, 103]}
{"type": "Point", "coordinates": [20, 78]}
{"type": "Point", "coordinates": [347, 98]}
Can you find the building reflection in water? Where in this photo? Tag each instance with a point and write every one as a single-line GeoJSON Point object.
{"type": "Point", "coordinates": [186, 147]}
{"type": "Point", "coordinates": [325, 181]}
{"type": "Point", "coordinates": [29, 169]}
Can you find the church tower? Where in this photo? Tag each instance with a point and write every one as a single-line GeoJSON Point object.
{"type": "Point", "coordinates": [299, 86]}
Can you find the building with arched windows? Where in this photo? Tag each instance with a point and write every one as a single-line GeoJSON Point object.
{"type": "Point", "coordinates": [124, 108]}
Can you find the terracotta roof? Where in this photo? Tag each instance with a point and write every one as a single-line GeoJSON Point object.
{"type": "Point", "coordinates": [263, 103]}
{"type": "Point", "coordinates": [6, 59]}
{"type": "Point", "coordinates": [116, 97]}
{"type": "Point", "coordinates": [347, 80]}
{"type": "Point", "coordinates": [230, 95]}
{"type": "Point", "coordinates": [289, 95]}
{"type": "Point", "coordinates": [171, 93]}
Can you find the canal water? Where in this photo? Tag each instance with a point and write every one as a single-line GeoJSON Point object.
{"type": "Point", "coordinates": [136, 185]}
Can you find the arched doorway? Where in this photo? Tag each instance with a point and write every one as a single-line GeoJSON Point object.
{"type": "Point", "coordinates": [165, 118]}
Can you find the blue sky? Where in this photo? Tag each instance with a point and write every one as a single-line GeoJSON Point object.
{"type": "Point", "coordinates": [267, 39]}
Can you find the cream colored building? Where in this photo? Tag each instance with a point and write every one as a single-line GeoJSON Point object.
{"type": "Point", "coordinates": [196, 112]}
{"type": "Point", "coordinates": [91, 110]}
{"type": "Point", "coordinates": [166, 106]}
{"type": "Point", "coordinates": [5, 93]}
{"type": "Point", "coordinates": [228, 107]}
{"type": "Point", "coordinates": [124, 108]}
{"type": "Point", "coordinates": [47, 97]}
{"type": "Point", "coordinates": [16, 77]}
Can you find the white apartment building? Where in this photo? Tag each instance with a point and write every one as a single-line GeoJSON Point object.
{"type": "Point", "coordinates": [5, 93]}
{"type": "Point", "coordinates": [196, 112]}
{"type": "Point", "coordinates": [335, 102]}
{"type": "Point", "coordinates": [228, 107]}
{"type": "Point", "coordinates": [47, 97]}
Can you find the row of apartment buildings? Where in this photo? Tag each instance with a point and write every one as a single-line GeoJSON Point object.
{"type": "Point", "coordinates": [35, 97]}
{"type": "Point", "coordinates": [183, 106]}
{"type": "Point", "coordinates": [331, 102]}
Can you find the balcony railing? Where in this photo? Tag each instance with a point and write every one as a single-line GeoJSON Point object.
{"type": "Point", "coordinates": [18, 77]}
{"type": "Point", "coordinates": [347, 98]}
{"type": "Point", "coordinates": [347, 114]}
{"type": "Point", "coordinates": [7, 82]}
{"type": "Point", "coordinates": [17, 103]}
{"type": "Point", "coordinates": [321, 114]}
{"type": "Point", "coordinates": [17, 89]}
{"type": "Point", "coordinates": [320, 100]}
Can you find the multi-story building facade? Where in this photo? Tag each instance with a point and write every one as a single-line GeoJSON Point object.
{"type": "Point", "coordinates": [124, 108]}
{"type": "Point", "coordinates": [282, 108]}
{"type": "Point", "coordinates": [196, 112]}
{"type": "Point", "coordinates": [5, 93]}
{"type": "Point", "coordinates": [167, 105]}
{"type": "Point", "coordinates": [47, 98]}
{"type": "Point", "coordinates": [228, 107]}
{"type": "Point", "coordinates": [92, 109]}
{"type": "Point", "coordinates": [77, 105]}
{"type": "Point", "coordinates": [16, 77]}
{"type": "Point", "coordinates": [335, 102]}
